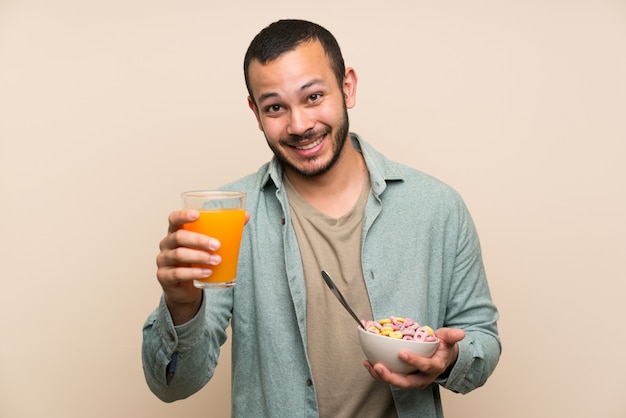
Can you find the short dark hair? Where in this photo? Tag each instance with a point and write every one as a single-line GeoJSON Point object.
{"type": "Point", "coordinates": [286, 35]}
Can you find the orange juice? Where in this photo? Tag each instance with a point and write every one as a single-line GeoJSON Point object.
{"type": "Point", "coordinates": [225, 225]}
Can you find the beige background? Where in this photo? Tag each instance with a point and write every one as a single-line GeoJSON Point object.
{"type": "Point", "coordinates": [109, 109]}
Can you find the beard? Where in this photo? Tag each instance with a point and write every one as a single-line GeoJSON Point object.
{"type": "Point", "coordinates": [339, 141]}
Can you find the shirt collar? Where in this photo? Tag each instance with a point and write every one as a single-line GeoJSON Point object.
{"type": "Point", "coordinates": [381, 169]}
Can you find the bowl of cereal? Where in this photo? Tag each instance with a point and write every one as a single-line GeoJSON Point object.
{"type": "Point", "coordinates": [382, 340]}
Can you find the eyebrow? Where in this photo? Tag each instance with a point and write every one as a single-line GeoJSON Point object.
{"type": "Point", "coordinates": [270, 95]}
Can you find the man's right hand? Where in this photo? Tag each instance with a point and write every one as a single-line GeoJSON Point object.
{"type": "Point", "coordinates": [178, 250]}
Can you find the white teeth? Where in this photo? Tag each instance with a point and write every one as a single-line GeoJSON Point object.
{"type": "Point", "coordinates": [309, 146]}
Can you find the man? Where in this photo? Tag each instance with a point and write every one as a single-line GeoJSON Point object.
{"type": "Point", "coordinates": [395, 240]}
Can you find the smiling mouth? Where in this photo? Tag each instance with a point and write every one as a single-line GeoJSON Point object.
{"type": "Point", "coordinates": [310, 144]}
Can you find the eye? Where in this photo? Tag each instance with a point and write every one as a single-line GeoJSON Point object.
{"type": "Point", "coordinates": [273, 108]}
{"type": "Point", "coordinates": [315, 97]}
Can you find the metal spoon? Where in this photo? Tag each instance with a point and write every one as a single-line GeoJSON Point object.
{"type": "Point", "coordinates": [339, 296]}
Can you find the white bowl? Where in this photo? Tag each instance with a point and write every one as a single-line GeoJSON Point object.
{"type": "Point", "coordinates": [383, 349]}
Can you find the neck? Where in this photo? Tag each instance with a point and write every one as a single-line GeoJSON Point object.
{"type": "Point", "coordinates": [336, 191]}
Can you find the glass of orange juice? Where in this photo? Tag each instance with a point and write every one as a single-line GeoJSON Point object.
{"type": "Point", "coordinates": [222, 216]}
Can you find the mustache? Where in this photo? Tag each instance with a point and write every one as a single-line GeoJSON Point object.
{"type": "Point", "coordinates": [308, 135]}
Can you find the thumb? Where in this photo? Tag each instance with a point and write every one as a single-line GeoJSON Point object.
{"type": "Point", "coordinates": [450, 336]}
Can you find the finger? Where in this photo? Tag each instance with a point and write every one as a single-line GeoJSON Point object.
{"type": "Point", "coordinates": [450, 336]}
{"type": "Point", "coordinates": [383, 374]}
{"type": "Point", "coordinates": [178, 218]}
{"type": "Point", "coordinates": [413, 380]}
{"type": "Point", "coordinates": [184, 256]}
{"type": "Point", "coordinates": [370, 368]}
{"type": "Point", "coordinates": [430, 368]}
{"type": "Point", "coordinates": [178, 286]}
{"type": "Point", "coordinates": [172, 276]}
{"type": "Point", "coordinates": [190, 239]}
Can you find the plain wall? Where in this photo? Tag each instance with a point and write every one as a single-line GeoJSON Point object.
{"type": "Point", "coordinates": [109, 109]}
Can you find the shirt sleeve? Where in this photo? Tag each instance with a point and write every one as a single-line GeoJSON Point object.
{"type": "Point", "coordinates": [470, 307]}
{"type": "Point", "coordinates": [179, 360]}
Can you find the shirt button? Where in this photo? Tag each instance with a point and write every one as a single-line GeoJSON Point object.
{"type": "Point", "coordinates": [309, 382]}
{"type": "Point", "coordinates": [282, 221]}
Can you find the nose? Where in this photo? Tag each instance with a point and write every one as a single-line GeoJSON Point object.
{"type": "Point", "coordinates": [300, 122]}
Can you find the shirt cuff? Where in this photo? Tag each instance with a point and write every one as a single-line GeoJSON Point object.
{"type": "Point", "coordinates": [183, 337]}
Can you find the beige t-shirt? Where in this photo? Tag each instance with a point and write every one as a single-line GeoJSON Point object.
{"type": "Point", "coordinates": [343, 386]}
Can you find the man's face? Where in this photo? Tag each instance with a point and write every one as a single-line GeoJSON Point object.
{"type": "Point", "coordinates": [301, 109]}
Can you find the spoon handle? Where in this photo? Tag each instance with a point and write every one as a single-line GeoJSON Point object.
{"type": "Point", "coordinates": [339, 296]}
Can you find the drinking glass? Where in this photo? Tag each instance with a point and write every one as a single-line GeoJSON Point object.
{"type": "Point", "coordinates": [222, 216]}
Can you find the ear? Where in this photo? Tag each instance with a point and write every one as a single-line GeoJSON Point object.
{"type": "Point", "coordinates": [254, 109]}
{"type": "Point", "coordinates": [349, 87]}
